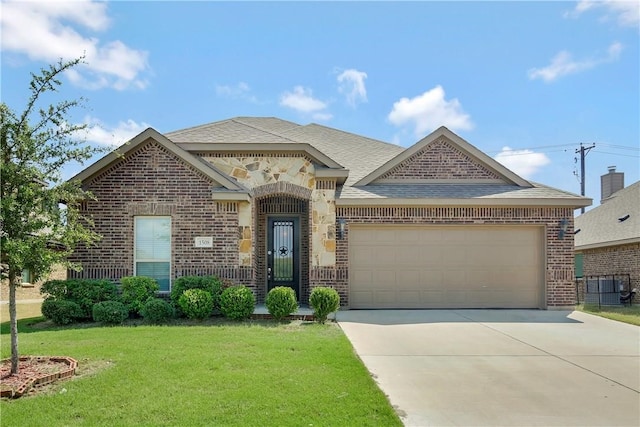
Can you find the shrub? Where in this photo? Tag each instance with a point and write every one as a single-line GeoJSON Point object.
{"type": "Point", "coordinates": [110, 312]}
{"type": "Point", "coordinates": [324, 300]}
{"type": "Point", "coordinates": [211, 284]}
{"type": "Point", "coordinates": [237, 302]}
{"type": "Point", "coordinates": [83, 292]}
{"type": "Point", "coordinates": [61, 312]}
{"type": "Point", "coordinates": [281, 302]}
{"type": "Point", "coordinates": [157, 310]}
{"type": "Point", "coordinates": [137, 290]}
{"type": "Point", "coordinates": [196, 303]}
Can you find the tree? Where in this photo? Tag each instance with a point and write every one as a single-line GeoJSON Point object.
{"type": "Point", "coordinates": [40, 223]}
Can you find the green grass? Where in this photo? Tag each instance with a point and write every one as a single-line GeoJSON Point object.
{"type": "Point", "coordinates": [212, 374]}
{"type": "Point", "coordinates": [629, 315]}
{"type": "Point", "coordinates": [23, 310]}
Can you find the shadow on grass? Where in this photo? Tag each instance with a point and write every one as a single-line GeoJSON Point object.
{"type": "Point", "coordinates": [41, 324]}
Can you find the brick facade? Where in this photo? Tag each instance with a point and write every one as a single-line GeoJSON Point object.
{"type": "Point", "coordinates": [440, 160]}
{"type": "Point", "coordinates": [559, 269]}
{"type": "Point", "coordinates": [614, 260]}
{"type": "Point", "coordinates": [152, 180]}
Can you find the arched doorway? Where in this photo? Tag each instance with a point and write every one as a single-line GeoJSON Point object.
{"type": "Point", "coordinates": [282, 249]}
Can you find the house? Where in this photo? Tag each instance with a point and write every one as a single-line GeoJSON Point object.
{"type": "Point", "coordinates": [266, 202]}
{"type": "Point", "coordinates": [607, 238]}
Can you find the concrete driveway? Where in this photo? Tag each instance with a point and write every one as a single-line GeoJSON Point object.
{"type": "Point", "coordinates": [501, 367]}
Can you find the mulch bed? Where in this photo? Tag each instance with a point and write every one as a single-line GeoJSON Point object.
{"type": "Point", "coordinates": [34, 372]}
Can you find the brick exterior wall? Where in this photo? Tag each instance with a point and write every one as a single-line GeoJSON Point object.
{"type": "Point", "coordinates": [440, 160]}
{"type": "Point", "coordinates": [151, 181]}
{"type": "Point", "coordinates": [618, 260]}
{"type": "Point", "coordinates": [559, 274]}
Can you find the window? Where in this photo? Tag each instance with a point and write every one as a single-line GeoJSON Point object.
{"type": "Point", "coordinates": [27, 277]}
{"type": "Point", "coordinates": [579, 265]}
{"type": "Point", "coordinates": [152, 250]}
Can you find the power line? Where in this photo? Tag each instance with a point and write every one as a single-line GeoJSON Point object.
{"type": "Point", "coordinates": [620, 147]}
{"type": "Point", "coordinates": [619, 154]}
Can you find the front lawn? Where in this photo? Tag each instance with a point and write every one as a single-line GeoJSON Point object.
{"type": "Point", "coordinates": [622, 314]}
{"type": "Point", "coordinates": [212, 374]}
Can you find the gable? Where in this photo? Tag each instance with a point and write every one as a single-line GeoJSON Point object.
{"type": "Point", "coordinates": [226, 187]}
{"type": "Point", "coordinates": [440, 160]}
{"type": "Point", "coordinates": [442, 157]}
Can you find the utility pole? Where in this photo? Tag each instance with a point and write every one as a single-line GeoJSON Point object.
{"type": "Point", "coordinates": [583, 153]}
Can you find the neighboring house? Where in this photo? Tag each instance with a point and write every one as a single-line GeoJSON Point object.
{"type": "Point", "coordinates": [607, 238]}
{"type": "Point", "coordinates": [267, 202]}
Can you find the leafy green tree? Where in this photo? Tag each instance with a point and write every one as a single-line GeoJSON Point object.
{"type": "Point", "coordinates": [40, 223]}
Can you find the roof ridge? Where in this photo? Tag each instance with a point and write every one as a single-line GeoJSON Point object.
{"type": "Point", "coordinates": [180, 131]}
{"type": "Point", "coordinates": [353, 134]}
{"type": "Point", "coordinates": [238, 120]}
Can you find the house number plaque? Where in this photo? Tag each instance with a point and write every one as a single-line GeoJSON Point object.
{"type": "Point", "coordinates": [203, 242]}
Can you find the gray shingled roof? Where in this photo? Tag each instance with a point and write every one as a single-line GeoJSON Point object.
{"type": "Point", "coordinates": [240, 130]}
{"type": "Point", "coordinates": [345, 148]}
{"type": "Point", "coordinates": [358, 154]}
{"type": "Point", "coordinates": [601, 227]}
{"type": "Point", "coordinates": [453, 191]}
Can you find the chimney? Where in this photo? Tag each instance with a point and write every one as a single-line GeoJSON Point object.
{"type": "Point", "coordinates": [610, 183]}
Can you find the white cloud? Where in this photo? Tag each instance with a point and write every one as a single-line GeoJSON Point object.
{"type": "Point", "coordinates": [563, 64]}
{"type": "Point", "coordinates": [302, 100]}
{"type": "Point", "coordinates": [99, 133]}
{"type": "Point", "coordinates": [351, 84]}
{"type": "Point", "coordinates": [241, 90]}
{"type": "Point", "coordinates": [48, 31]}
{"type": "Point", "coordinates": [626, 13]}
{"type": "Point", "coordinates": [429, 111]}
{"type": "Point", "coordinates": [523, 162]}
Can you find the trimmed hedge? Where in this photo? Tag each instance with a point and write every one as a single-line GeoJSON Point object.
{"type": "Point", "coordinates": [324, 301]}
{"type": "Point", "coordinates": [157, 310]}
{"type": "Point", "coordinates": [85, 293]}
{"type": "Point", "coordinates": [61, 312]}
{"type": "Point", "coordinates": [110, 312]}
{"type": "Point", "coordinates": [196, 303]}
{"type": "Point", "coordinates": [136, 291]}
{"type": "Point", "coordinates": [281, 302]}
{"type": "Point", "coordinates": [237, 302]}
{"type": "Point", "coordinates": [211, 284]}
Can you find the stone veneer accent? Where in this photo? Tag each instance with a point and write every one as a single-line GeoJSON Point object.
{"type": "Point", "coordinates": [440, 160]}
{"type": "Point", "coordinates": [293, 174]}
{"type": "Point", "coordinates": [618, 260]}
{"type": "Point", "coordinates": [560, 288]}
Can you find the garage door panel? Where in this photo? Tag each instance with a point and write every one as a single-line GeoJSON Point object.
{"type": "Point", "coordinates": [446, 267]}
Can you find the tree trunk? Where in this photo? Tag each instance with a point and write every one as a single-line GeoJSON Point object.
{"type": "Point", "coordinates": [13, 284]}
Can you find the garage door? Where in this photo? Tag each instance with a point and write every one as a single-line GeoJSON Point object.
{"type": "Point", "coordinates": [446, 266]}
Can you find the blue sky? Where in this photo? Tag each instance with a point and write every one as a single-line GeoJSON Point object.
{"type": "Point", "coordinates": [525, 82]}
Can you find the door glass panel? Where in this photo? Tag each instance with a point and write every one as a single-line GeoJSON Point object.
{"type": "Point", "coordinates": [283, 250]}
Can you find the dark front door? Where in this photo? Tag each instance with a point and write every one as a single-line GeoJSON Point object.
{"type": "Point", "coordinates": [283, 248]}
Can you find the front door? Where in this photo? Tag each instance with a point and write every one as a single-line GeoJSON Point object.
{"type": "Point", "coordinates": [283, 249]}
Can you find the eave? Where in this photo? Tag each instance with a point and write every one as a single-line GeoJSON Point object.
{"type": "Point", "coordinates": [523, 202]}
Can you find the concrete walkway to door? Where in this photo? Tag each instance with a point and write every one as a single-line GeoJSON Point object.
{"type": "Point", "coordinates": [501, 367]}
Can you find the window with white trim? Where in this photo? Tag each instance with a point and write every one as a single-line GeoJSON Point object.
{"type": "Point", "coordinates": [152, 249]}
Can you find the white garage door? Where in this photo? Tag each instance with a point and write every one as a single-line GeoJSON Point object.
{"type": "Point", "coordinates": [446, 266]}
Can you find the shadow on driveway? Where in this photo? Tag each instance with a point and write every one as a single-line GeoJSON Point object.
{"type": "Point", "coordinates": [408, 317]}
